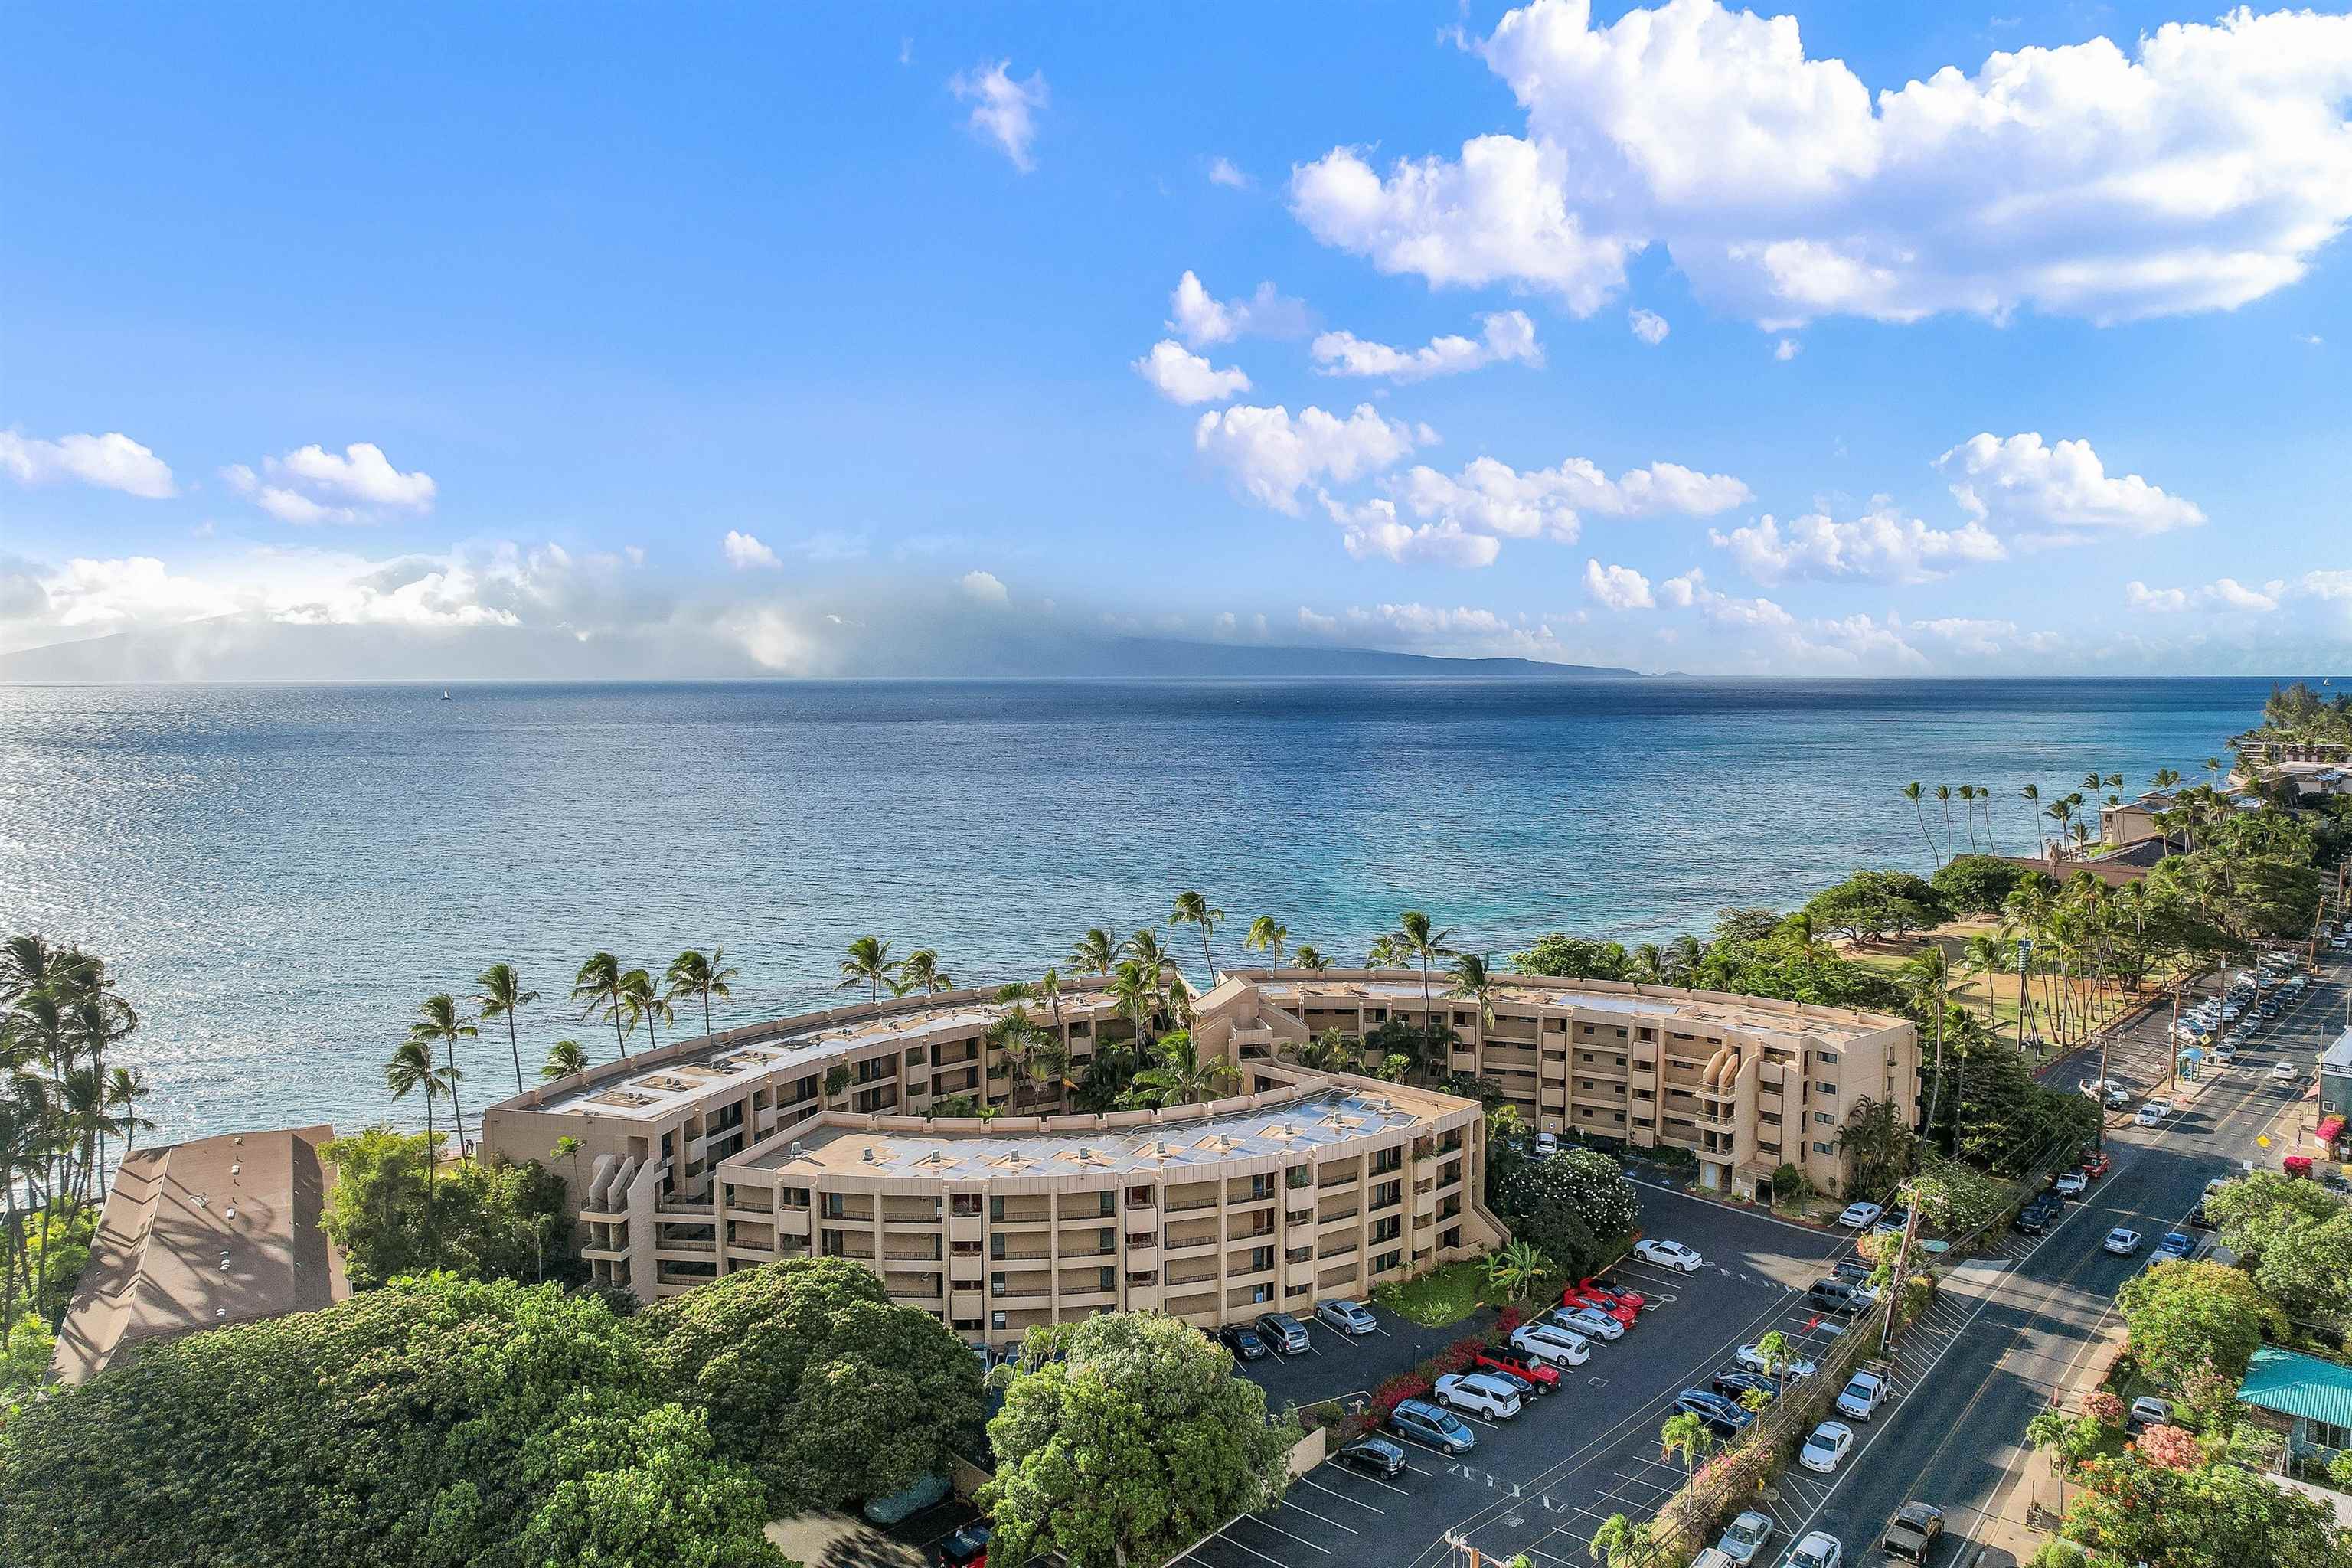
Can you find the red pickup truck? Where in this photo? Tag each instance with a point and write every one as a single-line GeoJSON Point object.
{"type": "Point", "coordinates": [1501, 1358]}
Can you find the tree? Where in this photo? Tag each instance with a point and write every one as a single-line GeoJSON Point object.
{"type": "Point", "coordinates": [644, 1005]}
{"type": "Point", "coordinates": [2214, 1516]}
{"type": "Point", "coordinates": [409, 1071]}
{"type": "Point", "coordinates": [1191, 908]}
{"type": "Point", "coordinates": [1418, 937]}
{"type": "Point", "coordinates": [2295, 1236]}
{"type": "Point", "coordinates": [392, 1214]}
{"type": "Point", "coordinates": [1877, 1143]}
{"type": "Point", "coordinates": [919, 975]}
{"type": "Point", "coordinates": [1474, 983]}
{"type": "Point", "coordinates": [1180, 1075]}
{"type": "Point", "coordinates": [563, 1058]}
{"type": "Point", "coordinates": [2173, 1447]}
{"type": "Point", "coordinates": [1096, 952]}
{"type": "Point", "coordinates": [1684, 1434]}
{"type": "Point", "coordinates": [502, 996]}
{"type": "Point", "coordinates": [1981, 884]}
{"type": "Point", "coordinates": [692, 975]}
{"type": "Point", "coordinates": [1515, 1270]}
{"type": "Point", "coordinates": [1135, 1444]}
{"type": "Point", "coordinates": [815, 1381]}
{"type": "Point", "coordinates": [1576, 1206]}
{"type": "Point", "coordinates": [1869, 905]}
{"type": "Point", "coordinates": [1573, 958]}
{"type": "Point", "coordinates": [597, 989]}
{"type": "Point", "coordinates": [868, 964]}
{"type": "Point", "coordinates": [527, 1428]}
{"type": "Point", "coordinates": [1912, 792]}
{"type": "Point", "coordinates": [1311, 957]}
{"type": "Point", "coordinates": [1267, 935]}
{"type": "Point", "coordinates": [441, 1023]}
{"type": "Point", "coordinates": [1777, 1354]}
{"type": "Point", "coordinates": [2182, 1316]}
{"type": "Point", "coordinates": [1618, 1542]}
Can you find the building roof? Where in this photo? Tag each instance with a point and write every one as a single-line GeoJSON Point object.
{"type": "Point", "coordinates": [1658, 1003]}
{"type": "Point", "coordinates": [2294, 1383]}
{"type": "Point", "coordinates": [202, 1235]}
{"type": "Point", "coordinates": [2337, 1058]}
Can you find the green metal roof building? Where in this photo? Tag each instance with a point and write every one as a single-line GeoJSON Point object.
{"type": "Point", "coordinates": [2312, 1398]}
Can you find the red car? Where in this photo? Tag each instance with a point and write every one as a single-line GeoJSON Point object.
{"type": "Point", "coordinates": [1601, 1302]}
{"type": "Point", "coordinates": [1504, 1359]}
{"type": "Point", "coordinates": [1624, 1298]}
{"type": "Point", "coordinates": [2094, 1164]}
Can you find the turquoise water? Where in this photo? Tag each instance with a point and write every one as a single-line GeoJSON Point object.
{"type": "Point", "coordinates": [279, 874]}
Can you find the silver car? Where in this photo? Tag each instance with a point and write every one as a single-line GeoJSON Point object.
{"type": "Point", "coordinates": [1745, 1538]}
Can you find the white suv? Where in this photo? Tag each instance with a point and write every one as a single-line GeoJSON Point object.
{"type": "Point", "coordinates": [1478, 1394]}
{"type": "Point", "coordinates": [1555, 1347]}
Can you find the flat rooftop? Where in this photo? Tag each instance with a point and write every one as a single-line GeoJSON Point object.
{"type": "Point", "coordinates": [1567, 995]}
{"type": "Point", "coordinates": [1319, 1118]}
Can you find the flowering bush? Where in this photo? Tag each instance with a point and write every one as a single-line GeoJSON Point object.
{"type": "Point", "coordinates": [1403, 1386]}
{"type": "Point", "coordinates": [1507, 1322]}
{"type": "Point", "coordinates": [2174, 1447]}
{"type": "Point", "coordinates": [2106, 1409]}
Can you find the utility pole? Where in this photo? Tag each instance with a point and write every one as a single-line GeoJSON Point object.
{"type": "Point", "coordinates": [1902, 1262]}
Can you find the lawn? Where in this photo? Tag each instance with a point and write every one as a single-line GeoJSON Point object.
{"type": "Point", "coordinates": [1968, 990]}
{"type": "Point", "coordinates": [1445, 1295]}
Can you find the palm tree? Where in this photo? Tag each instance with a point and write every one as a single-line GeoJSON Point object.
{"type": "Point", "coordinates": [1944, 794]}
{"type": "Point", "coordinates": [2032, 795]}
{"type": "Point", "coordinates": [1474, 982]}
{"type": "Point", "coordinates": [691, 975]}
{"type": "Point", "coordinates": [1311, 957]}
{"type": "Point", "coordinates": [564, 1058]}
{"type": "Point", "coordinates": [1649, 961]}
{"type": "Point", "coordinates": [1987, 956]}
{"type": "Point", "coordinates": [1181, 1076]}
{"type": "Point", "coordinates": [597, 987]}
{"type": "Point", "coordinates": [1968, 811]}
{"type": "Point", "coordinates": [868, 964]}
{"type": "Point", "coordinates": [1416, 938]}
{"type": "Point", "coordinates": [2213, 766]}
{"type": "Point", "coordinates": [442, 1023]}
{"type": "Point", "coordinates": [502, 996]}
{"type": "Point", "coordinates": [1011, 1033]}
{"type": "Point", "coordinates": [411, 1069]}
{"type": "Point", "coordinates": [1684, 1434]}
{"type": "Point", "coordinates": [1144, 949]}
{"type": "Point", "coordinates": [1267, 935]}
{"type": "Point", "coordinates": [1992, 845]}
{"type": "Point", "coordinates": [1096, 952]}
{"type": "Point", "coordinates": [1327, 1052]}
{"type": "Point", "coordinates": [125, 1088]}
{"type": "Point", "coordinates": [2166, 779]}
{"type": "Point", "coordinates": [1615, 1542]}
{"type": "Point", "coordinates": [1384, 953]}
{"type": "Point", "coordinates": [1135, 997]}
{"type": "Point", "coordinates": [1517, 1269]}
{"type": "Point", "coordinates": [1191, 908]}
{"type": "Point", "coordinates": [645, 1005]}
{"type": "Point", "coordinates": [1927, 975]}
{"type": "Point", "coordinates": [1774, 1348]}
{"type": "Point", "coordinates": [1913, 792]}
{"type": "Point", "coordinates": [919, 973]}
{"type": "Point", "coordinates": [1049, 990]}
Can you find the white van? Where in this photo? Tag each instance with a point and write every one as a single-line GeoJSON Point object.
{"type": "Point", "coordinates": [1554, 1346]}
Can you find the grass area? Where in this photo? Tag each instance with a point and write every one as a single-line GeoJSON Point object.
{"type": "Point", "coordinates": [1445, 1295]}
{"type": "Point", "coordinates": [1970, 990]}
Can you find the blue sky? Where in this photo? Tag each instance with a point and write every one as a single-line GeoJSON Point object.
{"type": "Point", "coordinates": [506, 321]}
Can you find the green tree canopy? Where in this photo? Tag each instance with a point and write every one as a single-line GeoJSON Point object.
{"type": "Point", "coordinates": [1137, 1443]}
{"type": "Point", "coordinates": [2294, 1234]}
{"type": "Point", "coordinates": [1982, 884]}
{"type": "Point", "coordinates": [1869, 905]}
{"type": "Point", "coordinates": [1573, 1206]}
{"type": "Point", "coordinates": [2219, 1516]}
{"type": "Point", "coordinates": [2186, 1316]}
{"type": "Point", "coordinates": [814, 1379]}
{"type": "Point", "coordinates": [490, 1220]}
{"type": "Point", "coordinates": [1574, 957]}
{"type": "Point", "coordinates": [434, 1421]}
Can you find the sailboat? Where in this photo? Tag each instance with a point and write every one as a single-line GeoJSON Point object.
{"type": "Point", "coordinates": [445, 694]}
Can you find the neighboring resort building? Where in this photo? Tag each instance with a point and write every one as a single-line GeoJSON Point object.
{"type": "Point", "coordinates": [715, 1154]}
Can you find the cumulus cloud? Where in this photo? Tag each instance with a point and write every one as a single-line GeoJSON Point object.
{"type": "Point", "coordinates": [1187, 378]}
{"type": "Point", "coordinates": [2058, 494]}
{"type": "Point", "coordinates": [1504, 336]}
{"type": "Point", "coordinates": [2203, 169]}
{"type": "Point", "coordinates": [1222, 171]}
{"type": "Point", "coordinates": [1004, 111]}
{"type": "Point", "coordinates": [109, 462]}
{"type": "Point", "coordinates": [983, 588]}
{"type": "Point", "coordinates": [1617, 587]}
{"type": "Point", "coordinates": [1201, 319]}
{"type": "Point", "coordinates": [1461, 632]}
{"type": "Point", "coordinates": [1648, 326]}
{"type": "Point", "coordinates": [1488, 496]}
{"type": "Point", "coordinates": [1372, 530]}
{"type": "Point", "coordinates": [2222, 593]}
{"type": "Point", "coordinates": [310, 485]}
{"type": "Point", "coordinates": [1881, 543]}
{"type": "Point", "coordinates": [745, 552]}
{"type": "Point", "coordinates": [1270, 456]}
{"type": "Point", "coordinates": [1787, 349]}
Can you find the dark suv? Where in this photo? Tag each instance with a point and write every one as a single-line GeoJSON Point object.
{"type": "Point", "coordinates": [1836, 1296]}
{"type": "Point", "coordinates": [2036, 1217]}
{"type": "Point", "coordinates": [1285, 1333]}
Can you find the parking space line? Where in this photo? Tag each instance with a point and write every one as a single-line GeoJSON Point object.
{"type": "Point", "coordinates": [1312, 1514]}
{"type": "Point", "coordinates": [1343, 1496]}
{"type": "Point", "coordinates": [1259, 1520]}
{"type": "Point", "coordinates": [1237, 1546]}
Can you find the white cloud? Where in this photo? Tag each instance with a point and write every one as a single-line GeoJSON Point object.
{"type": "Point", "coordinates": [1187, 378]}
{"type": "Point", "coordinates": [1222, 171]}
{"type": "Point", "coordinates": [2222, 593]}
{"type": "Point", "coordinates": [1617, 587]}
{"type": "Point", "coordinates": [1201, 319]}
{"type": "Point", "coordinates": [2202, 169]}
{"type": "Point", "coordinates": [109, 462]}
{"type": "Point", "coordinates": [1463, 632]}
{"type": "Point", "coordinates": [1490, 496]}
{"type": "Point", "coordinates": [1648, 326]}
{"type": "Point", "coordinates": [2057, 492]}
{"type": "Point", "coordinates": [1505, 336]}
{"type": "Point", "coordinates": [1004, 111]}
{"type": "Point", "coordinates": [1881, 543]}
{"type": "Point", "coordinates": [982, 587]}
{"type": "Point", "coordinates": [745, 552]}
{"type": "Point", "coordinates": [1787, 349]}
{"type": "Point", "coordinates": [310, 485]}
{"type": "Point", "coordinates": [1270, 455]}
{"type": "Point", "coordinates": [1373, 528]}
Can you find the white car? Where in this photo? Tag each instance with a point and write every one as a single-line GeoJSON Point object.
{"type": "Point", "coordinates": [1668, 1255]}
{"type": "Point", "coordinates": [2071, 1184]}
{"type": "Point", "coordinates": [1745, 1538]}
{"type": "Point", "coordinates": [1826, 1449]}
{"type": "Point", "coordinates": [1547, 1145]}
{"type": "Point", "coordinates": [1864, 1393]}
{"type": "Point", "coordinates": [2153, 1113]}
{"type": "Point", "coordinates": [1479, 1395]}
{"type": "Point", "coordinates": [2121, 1242]}
{"type": "Point", "coordinates": [2227, 1051]}
{"type": "Point", "coordinates": [1588, 1323]}
{"type": "Point", "coordinates": [1860, 1216]}
{"type": "Point", "coordinates": [1818, 1550]}
{"type": "Point", "coordinates": [1554, 1347]}
{"type": "Point", "coordinates": [1753, 1360]}
{"type": "Point", "coordinates": [2283, 1072]}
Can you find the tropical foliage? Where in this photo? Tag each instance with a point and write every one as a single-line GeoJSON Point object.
{"type": "Point", "coordinates": [491, 1219]}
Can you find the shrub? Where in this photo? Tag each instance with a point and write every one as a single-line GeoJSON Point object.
{"type": "Point", "coordinates": [2106, 1409]}
{"type": "Point", "coordinates": [2171, 1446]}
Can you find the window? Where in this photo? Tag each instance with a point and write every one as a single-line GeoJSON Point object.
{"type": "Point", "coordinates": [1109, 1279]}
{"type": "Point", "coordinates": [967, 1204]}
{"type": "Point", "coordinates": [996, 1245]}
{"type": "Point", "coordinates": [2327, 1435]}
{"type": "Point", "coordinates": [1824, 1148]}
{"type": "Point", "coordinates": [996, 1284]}
{"type": "Point", "coordinates": [1107, 1207]}
{"type": "Point", "coordinates": [1387, 1261]}
{"type": "Point", "coordinates": [967, 1325]}
{"type": "Point", "coordinates": [1829, 1056]}
{"type": "Point", "coordinates": [833, 1209]}
{"type": "Point", "coordinates": [967, 1249]}
{"type": "Point", "coordinates": [1825, 1087]}
{"type": "Point", "coordinates": [996, 1208]}
{"type": "Point", "coordinates": [1261, 1259]}
{"type": "Point", "coordinates": [1387, 1230]}
{"type": "Point", "coordinates": [1824, 1118]}
{"type": "Point", "coordinates": [995, 1319]}
{"type": "Point", "coordinates": [915, 1057]}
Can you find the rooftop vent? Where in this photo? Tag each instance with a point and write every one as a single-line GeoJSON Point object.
{"type": "Point", "coordinates": [796, 1151]}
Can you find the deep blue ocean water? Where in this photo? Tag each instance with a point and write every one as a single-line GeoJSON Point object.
{"type": "Point", "coordinates": [279, 873]}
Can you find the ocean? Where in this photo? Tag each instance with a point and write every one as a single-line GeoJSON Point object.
{"type": "Point", "coordinates": [278, 874]}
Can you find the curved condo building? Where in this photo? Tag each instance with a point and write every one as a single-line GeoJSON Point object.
{"type": "Point", "coordinates": [811, 1136]}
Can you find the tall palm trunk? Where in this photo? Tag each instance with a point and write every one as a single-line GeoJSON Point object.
{"type": "Point", "coordinates": [457, 1110]}
{"type": "Point", "coordinates": [432, 1171]}
{"type": "Point", "coordinates": [514, 1045]}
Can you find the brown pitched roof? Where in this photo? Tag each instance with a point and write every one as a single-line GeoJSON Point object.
{"type": "Point", "coordinates": [201, 1234]}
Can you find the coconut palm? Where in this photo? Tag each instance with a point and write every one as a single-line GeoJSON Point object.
{"type": "Point", "coordinates": [1310, 957]}
{"type": "Point", "coordinates": [1135, 997]}
{"type": "Point", "coordinates": [1684, 955]}
{"type": "Point", "coordinates": [1986, 955]}
{"type": "Point", "coordinates": [1179, 1075]}
{"type": "Point", "coordinates": [1968, 793]}
{"type": "Point", "coordinates": [1417, 938]}
{"type": "Point", "coordinates": [125, 1088]}
{"type": "Point", "coordinates": [1616, 1543]}
{"type": "Point", "coordinates": [1683, 1435]}
{"type": "Point", "coordinates": [1517, 1269]}
{"type": "Point", "coordinates": [1012, 1033]}
{"type": "Point", "coordinates": [1926, 975]}
{"type": "Point", "coordinates": [564, 1058]}
{"type": "Point", "coordinates": [1915, 793]}
{"type": "Point", "coordinates": [1474, 982]}
{"type": "Point", "coordinates": [919, 975]}
{"type": "Point", "coordinates": [1384, 953]}
{"type": "Point", "coordinates": [1944, 796]}
{"type": "Point", "coordinates": [2032, 795]}
{"type": "Point", "coordinates": [1096, 952]}
{"type": "Point", "coordinates": [1649, 963]}
{"type": "Point", "coordinates": [411, 1070]}
{"type": "Point", "coordinates": [2166, 779]}
{"type": "Point", "coordinates": [1327, 1052]}
{"type": "Point", "coordinates": [1191, 908]}
{"type": "Point", "coordinates": [1992, 845]}
{"type": "Point", "coordinates": [597, 988]}
{"type": "Point", "coordinates": [693, 975]}
{"type": "Point", "coordinates": [868, 964]}
{"type": "Point", "coordinates": [502, 996]}
{"type": "Point", "coordinates": [1775, 1350]}
{"type": "Point", "coordinates": [1145, 948]}
{"type": "Point", "coordinates": [1049, 990]}
{"type": "Point", "coordinates": [1267, 935]}
{"type": "Point", "coordinates": [442, 1023]}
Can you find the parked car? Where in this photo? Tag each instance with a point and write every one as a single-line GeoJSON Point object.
{"type": "Point", "coordinates": [1243, 1341]}
{"type": "Point", "coordinates": [1722, 1417]}
{"type": "Point", "coordinates": [2175, 1244]}
{"type": "Point", "coordinates": [1668, 1255]}
{"type": "Point", "coordinates": [1377, 1455]}
{"type": "Point", "coordinates": [1864, 1393]}
{"type": "Point", "coordinates": [1285, 1333]}
{"type": "Point", "coordinates": [2095, 1163]}
{"type": "Point", "coordinates": [967, 1548]}
{"type": "Point", "coordinates": [2283, 1072]}
{"type": "Point", "coordinates": [1541, 1377]}
{"type": "Point", "coordinates": [2114, 1096]}
{"type": "Point", "coordinates": [1827, 1448]}
{"type": "Point", "coordinates": [1347, 1317]}
{"type": "Point", "coordinates": [1859, 1216]}
{"type": "Point", "coordinates": [1745, 1538]}
{"type": "Point", "coordinates": [1894, 1219]}
{"type": "Point", "coordinates": [1913, 1533]}
{"type": "Point", "coordinates": [1584, 1320]}
{"type": "Point", "coordinates": [903, 1505]}
{"type": "Point", "coordinates": [1749, 1356]}
{"type": "Point", "coordinates": [2198, 1219]}
{"type": "Point", "coordinates": [1817, 1550]}
{"type": "Point", "coordinates": [1853, 1270]}
{"type": "Point", "coordinates": [1736, 1385]}
{"type": "Point", "coordinates": [2225, 1054]}
{"type": "Point", "coordinates": [2122, 1242]}
{"type": "Point", "coordinates": [1427, 1422]}
{"type": "Point", "coordinates": [1547, 1145]}
{"type": "Point", "coordinates": [2153, 1113]}
{"type": "Point", "coordinates": [2147, 1410]}
{"type": "Point", "coordinates": [1548, 1343]}
{"type": "Point", "coordinates": [2036, 1217]}
{"type": "Point", "coordinates": [2071, 1184]}
{"type": "Point", "coordinates": [1510, 1380]}
{"type": "Point", "coordinates": [1618, 1293]}
{"type": "Point", "coordinates": [1583, 1298]}
{"type": "Point", "coordinates": [1836, 1296]}
{"type": "Point", "coordinates": [1480, 1392]}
